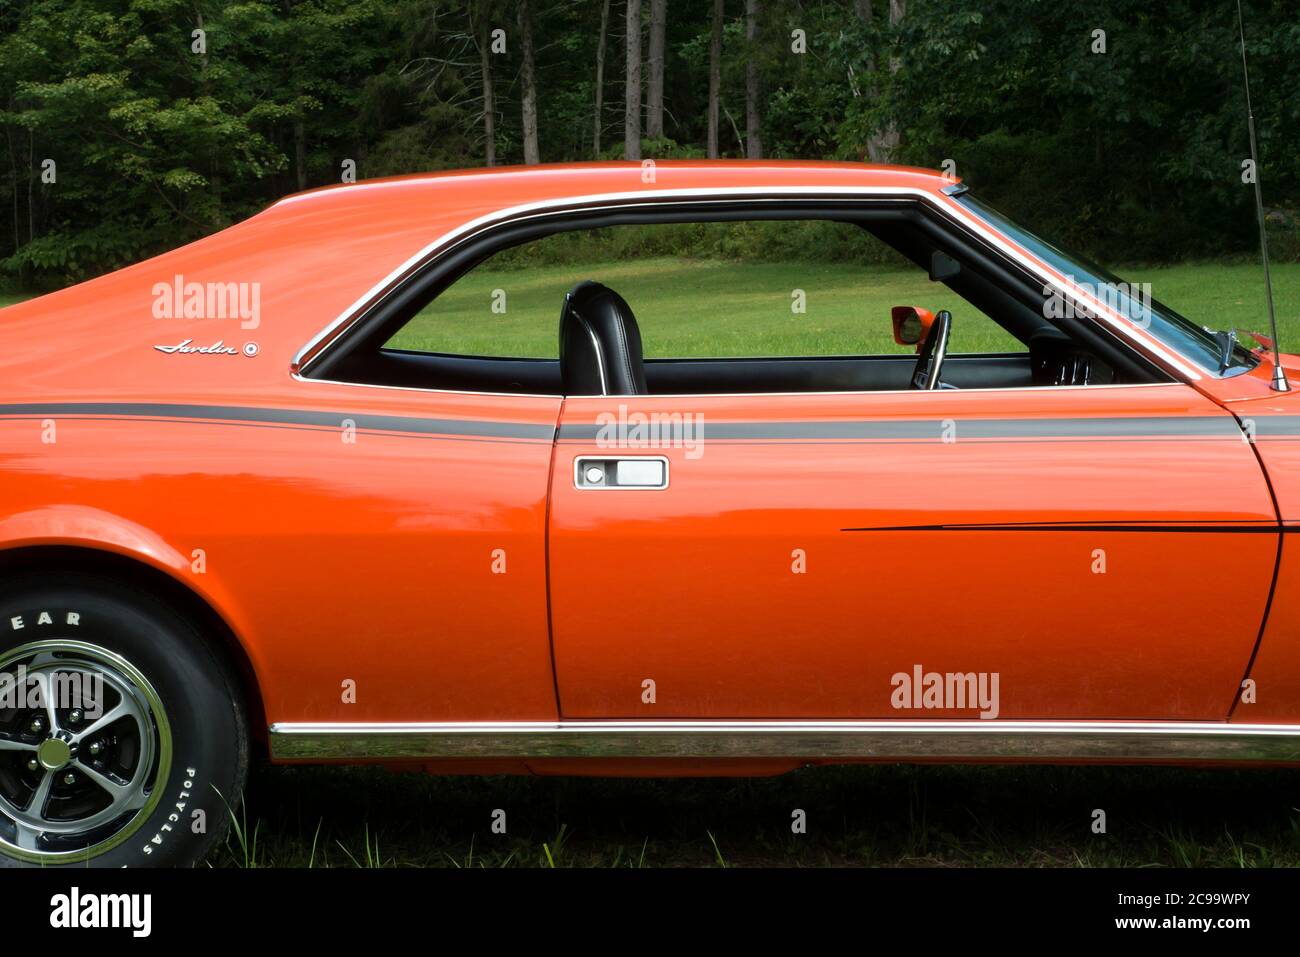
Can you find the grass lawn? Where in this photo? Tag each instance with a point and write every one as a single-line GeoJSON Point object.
{"type": "Point", "coordinates": [713, 308]}
{"type": "Point", "coordinates": [886, 815]}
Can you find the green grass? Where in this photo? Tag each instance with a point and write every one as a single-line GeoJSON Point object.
{"type": "Point", "coordinates": [695, 308]}
{"type": "Point", "coordinates": [876, 816]}
{"type": "Point", "coordinates": [717, 308]}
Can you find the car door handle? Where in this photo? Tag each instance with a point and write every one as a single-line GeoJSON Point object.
{"type": "Point", "coordinates": [624, 472]}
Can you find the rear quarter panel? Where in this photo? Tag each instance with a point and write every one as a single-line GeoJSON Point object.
{"type": "Point", "coordinates": [369, 560]}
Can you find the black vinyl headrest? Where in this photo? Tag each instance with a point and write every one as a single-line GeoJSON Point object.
{"type": "Point", "coordinates": [600, 344]}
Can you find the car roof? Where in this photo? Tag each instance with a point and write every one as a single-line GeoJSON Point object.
{"type": "Point", "coordinates": [577, 179]}
{"type": "Point", "coordinates": [313, 254]}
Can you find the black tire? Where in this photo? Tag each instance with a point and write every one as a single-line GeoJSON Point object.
{"type": "Point", "coordinates": [178, 669]}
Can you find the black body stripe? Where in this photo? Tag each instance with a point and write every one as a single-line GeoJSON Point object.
{"type": "Point", "coordinates": [1113, 427]}
{"type": "Point", "coordinates": [1217, 426]}
{"type": "Point", "coordinates": [1270, 528]}
{"type": "Point", "coordinates": [330, 420]}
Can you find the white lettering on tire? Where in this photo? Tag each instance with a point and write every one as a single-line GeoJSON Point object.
{"type": "Point", "coordinates": [187, 787]}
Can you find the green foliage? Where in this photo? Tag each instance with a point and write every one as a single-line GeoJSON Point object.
{"type": "Point", "coordinates": [1131, 154]}
{"type": "Point", "coordinates": [155, 142]}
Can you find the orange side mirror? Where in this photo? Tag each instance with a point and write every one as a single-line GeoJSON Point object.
{"type": "Point", "coordinates": [911, 325]}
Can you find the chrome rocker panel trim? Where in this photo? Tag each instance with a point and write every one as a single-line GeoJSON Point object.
{"type": "Point", "coordinates": [841, 739]}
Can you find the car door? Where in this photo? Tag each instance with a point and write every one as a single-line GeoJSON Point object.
{"type": "Point", "coordinates": [1077, 552]}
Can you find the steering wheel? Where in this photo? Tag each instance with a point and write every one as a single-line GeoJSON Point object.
{"type": "Point", "coordinates": [929, 360]}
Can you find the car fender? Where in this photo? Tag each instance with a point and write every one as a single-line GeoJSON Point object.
{"type": "Point", "coordinates": [94, 529]}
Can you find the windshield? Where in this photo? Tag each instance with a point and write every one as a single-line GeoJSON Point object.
{"type": "Point", "coordinates": [1131, 300]}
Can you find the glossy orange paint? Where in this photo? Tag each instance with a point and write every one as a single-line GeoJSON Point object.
{"type": "Point", "coordinates": [740, 593]}
{"type": "Point", "coordinates": [333, 556]}
{"type": "Point", "coordinates": [341, 543]}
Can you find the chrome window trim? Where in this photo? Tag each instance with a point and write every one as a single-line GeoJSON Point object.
{"type": "Point", "coordinates": [557, 396]}
{"type": "Point", "coordinates": [806, 739]}
{"type": "Point", "coordinates": [945, 205]}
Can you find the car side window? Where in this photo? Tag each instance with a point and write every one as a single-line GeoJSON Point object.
{"type": "Point", "coordinates": [749, 289]}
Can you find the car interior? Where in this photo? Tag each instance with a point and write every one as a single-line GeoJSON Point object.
{"type": "Point", "coordinates": [600, 342]}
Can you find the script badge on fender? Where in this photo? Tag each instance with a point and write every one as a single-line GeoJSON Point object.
{"type": "Point", "coordinates": [218, 348]}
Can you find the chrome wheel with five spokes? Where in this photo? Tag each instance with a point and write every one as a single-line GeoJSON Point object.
{"type": "Point", "coordinates": [84, 739]}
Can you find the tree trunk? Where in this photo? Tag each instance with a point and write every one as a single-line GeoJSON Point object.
{"type": "Point", "coordinates": [31, 166]}
{"type": "Point", "coordinates": [753, 120]}
{"type": "Point", "coordinates": [715, 77]}
{"type": "Point", "coordinates": [18, 238]}
{"type": "Point", "coordinates": [882, 146]}
{"type": "Point", "coordinates": [484, 39]}
{"type": "Point", "coordinates": [654, 121]}
{"type": "Point", "coordinates": [300, 152]}
{"type": "Point", "coordinates": [632, 109]}
{"type": "Point", "coordinates": [214, 178]}
{"type": "Point", "coordinates": [600, 79]}
{"type": "Point", "coordinates": [13, 166]}
{"type": "Point", "coordinates": [740, 140]}
{"type": "Point", "coordinates": [532, 155]}
{"type": "Point", "coordinates": [863, 10]}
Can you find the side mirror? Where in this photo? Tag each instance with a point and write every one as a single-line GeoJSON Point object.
{"type": "Point", "coordinates": [911, 324]}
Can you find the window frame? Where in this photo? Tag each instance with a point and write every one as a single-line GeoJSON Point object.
{"type": "Point", "coordinates": [374, 318]}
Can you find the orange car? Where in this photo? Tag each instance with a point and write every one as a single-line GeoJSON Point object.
{"type": "Point", "coordinates": [233, 518]}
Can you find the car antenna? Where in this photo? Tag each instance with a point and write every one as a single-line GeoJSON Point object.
{"type": "Point", "coordinates": [1279, 382]}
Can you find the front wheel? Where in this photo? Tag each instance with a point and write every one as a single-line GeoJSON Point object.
{"type": "Point", "coordinates": [123, 741]}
